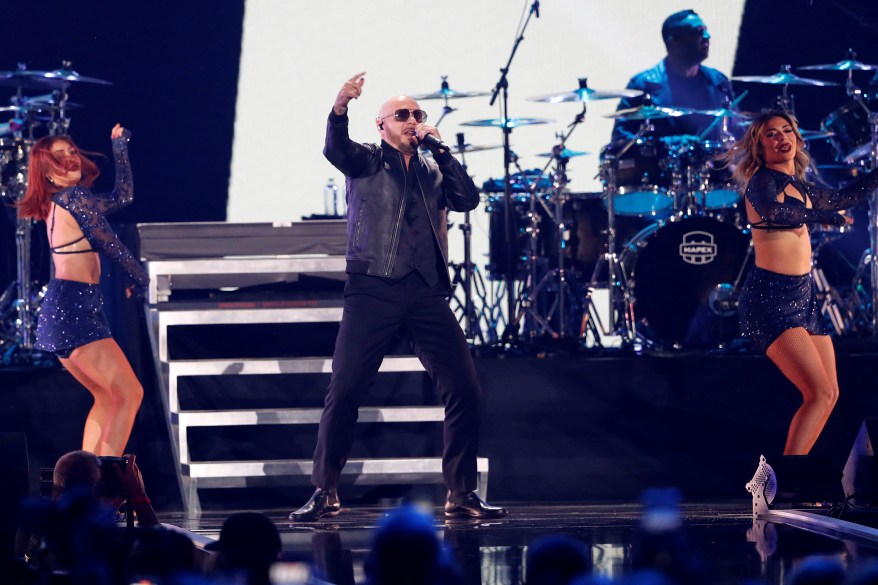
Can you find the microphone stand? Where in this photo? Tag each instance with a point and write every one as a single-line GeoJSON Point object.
{"type": "Point", "coordinates": [502, 85]}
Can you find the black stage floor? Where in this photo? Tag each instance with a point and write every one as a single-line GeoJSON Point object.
{"type": "Point", "coordinates": [731, 548]}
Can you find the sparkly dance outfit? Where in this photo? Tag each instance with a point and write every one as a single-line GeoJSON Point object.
{"type": "Point", "coordinates": [71, 314]}
{"type": "Point", "coordinates": [770, 303]}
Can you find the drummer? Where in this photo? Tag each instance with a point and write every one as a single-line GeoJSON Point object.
{"type": "Point", "coordinates": [680, 80]}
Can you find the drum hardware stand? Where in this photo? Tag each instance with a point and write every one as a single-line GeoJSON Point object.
{"type": "Point", "coordinates": [17, 297]}
{"type": "Point", "coordinates": [616, 285]}
{"type": "Point", "coordinates": [470, 318]}
{"type": "Point", "coordinates": [785, 101]}
{"type": "Point", "coordinates": [446, 109]}
{"type": "Point", "coordinates": [566, 280]}
{"type": "Point", "coordinates": [873, 226]}
{"type": "Point", "coordinates": [510, 334]}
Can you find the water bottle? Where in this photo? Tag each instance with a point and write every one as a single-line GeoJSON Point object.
{"type": "Point", "coordinates": [330, 198]}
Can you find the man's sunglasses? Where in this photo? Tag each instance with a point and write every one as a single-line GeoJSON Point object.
{"type": "Point", "coordinates": [402, 114]}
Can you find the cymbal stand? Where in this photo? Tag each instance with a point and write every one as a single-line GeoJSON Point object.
{"type": "Point", "coordinates": [873, 224]}
{"type": "Point", "coordinates": [566, 282]}
{"type": "Point", "coordinates": [15, 309]}
{"type": "Point", "coordinates": [510, 335]}
{"type": "Point", "coordinates": [785, 101]}
{"type": "Point", "coordinates": [623, 324]}
{"type": "Point", "coordinates": [470, 318]}
{"type": "Point", "coordinates": [446, 109]}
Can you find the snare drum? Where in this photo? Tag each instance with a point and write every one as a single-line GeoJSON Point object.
{"type": "Point", "coordinates": [643, 179]}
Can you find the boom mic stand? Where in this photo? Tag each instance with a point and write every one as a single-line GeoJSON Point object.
{"type": "Point", "coordinates": [510, 335]}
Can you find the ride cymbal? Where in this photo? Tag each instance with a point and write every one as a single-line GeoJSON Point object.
{"type": "Point", "coordinates": [586, 94]}
{"type": "Point", "coordinates": [846, 65]}
{"type": "Point", "coordinates": [785, 77]}
{"type": "Point", "coordinates": [720, 113]}
{"type": "Point", "coordinates": [507, 122]}
{"type": "Point", "coordinates": [648, 113]}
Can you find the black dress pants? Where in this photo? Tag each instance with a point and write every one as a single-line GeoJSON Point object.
{"type": "Point", "coordinates": [375, 311]}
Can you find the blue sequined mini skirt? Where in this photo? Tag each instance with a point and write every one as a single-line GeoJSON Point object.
{"type": "Point", "coordinates": [770, 303]}
{"type": "Point", "coordinates": [71, 315]}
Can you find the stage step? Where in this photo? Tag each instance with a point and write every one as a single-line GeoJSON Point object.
{"type": "Point", "coordinates": [298, 365]}
{"type": "Point", "coordinates": [221, 315]}
{"type": "Point", "coordinates": [240, 474]}
{"type": "Point", "coordinates": [304, 416]}
{"type": "Point", "coordinates": [256, 366]}
{"type": "Point", "coordinates": [291, 416]}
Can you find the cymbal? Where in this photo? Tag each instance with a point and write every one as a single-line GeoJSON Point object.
{"type": "Point", "coordinates": [565, 153]}
{"type": "Point", "coordinates": [815, 134]}
{"type": "Point", "coordinates": [783, 78]}
{"type": "Point", "coordinates": [56, 78]}
{"type": "Point", "coordinates": [846, 65]}
{"type": "Point", "coordinates": [447, 93]}
{"type": "Point", "coordinates": [507, 122]}
{"type": "Point", "coordinates": [585, 94]}
{"type": "Point", "coordinates": [48, 102]}
{"type": "Point", "coordinates": [467, 147]}
{"type": "Point", "coordinates": [648, 113]}
{"type": "Point", "coordinates": [720, 113]}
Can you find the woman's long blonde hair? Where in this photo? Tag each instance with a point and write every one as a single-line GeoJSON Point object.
{"type": "Point", "coordinates": [746, 154]}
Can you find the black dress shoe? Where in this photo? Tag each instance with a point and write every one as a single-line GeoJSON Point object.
{"type": "Point", "coordinates": [469, 505]}
{"type": "Point", "coordinates": [322, 503]}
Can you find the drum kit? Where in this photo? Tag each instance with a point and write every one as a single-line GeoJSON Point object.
{"type": "Point", "coordinates": [673, 284]}
{"type": "Point", "coordinates": [46, 112]}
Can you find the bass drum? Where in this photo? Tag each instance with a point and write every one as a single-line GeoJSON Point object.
{"type": "Point", "coordinates": [673, 273]}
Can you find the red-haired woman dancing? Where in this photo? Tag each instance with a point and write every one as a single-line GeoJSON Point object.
{"type": "Point", "coordinates": [72, 323]}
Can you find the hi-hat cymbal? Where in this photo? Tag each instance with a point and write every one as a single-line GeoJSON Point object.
{"type": "Point", "coordinates": [564, 153]}
{"type": "Point", "coordinates": [648, 113]}
{"type": "Point", "coordinates": [783, 78]}
{"type": "Point", "coordinates": [846, 65]}
{"type": "Point", "coordinates": [586, 94]}
{"type": "Point", "coordinates": [507, 122]}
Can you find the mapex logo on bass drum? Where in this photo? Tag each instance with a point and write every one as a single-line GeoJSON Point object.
{"type": "Point", "coordinates": [698, 248]}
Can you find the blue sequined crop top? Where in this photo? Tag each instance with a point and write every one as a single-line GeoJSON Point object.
{"type": "Point", "coordinates": [90, 210]}
{"type": "Point", "coordinates": [766, 184]}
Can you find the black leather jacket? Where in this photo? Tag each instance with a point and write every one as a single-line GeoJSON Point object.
{"type": "Point", "coordinates": [376, 196]}
{"type": "Point", "coordinates": [655, 82]}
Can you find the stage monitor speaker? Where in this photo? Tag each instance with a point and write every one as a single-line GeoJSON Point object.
{"type": "Point", "coordinates": [14, 482]}
{"type": "Point", "coordinates": [860, 477]}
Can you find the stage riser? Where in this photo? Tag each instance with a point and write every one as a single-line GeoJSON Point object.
{"type": "Point", "coordinates": [555, 430]}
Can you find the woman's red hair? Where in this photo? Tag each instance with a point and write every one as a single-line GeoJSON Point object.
{"type": "Point", "coordinates": [38, 196]}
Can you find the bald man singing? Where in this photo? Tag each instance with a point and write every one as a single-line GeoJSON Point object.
{"type": "Point", "coordinates": [397, 259]}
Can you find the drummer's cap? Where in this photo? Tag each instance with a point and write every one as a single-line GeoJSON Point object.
{"type": "Point", "coordinates": [674, 21]}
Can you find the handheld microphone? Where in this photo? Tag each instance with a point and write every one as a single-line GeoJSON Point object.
{"type": "Point", "coordinates": [432, 142]}
{"type": "Point", "coordinates": [537, 8]}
